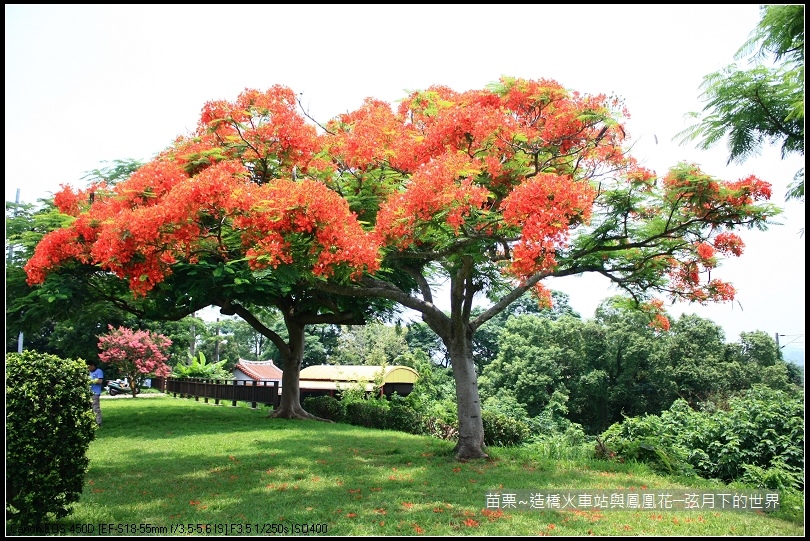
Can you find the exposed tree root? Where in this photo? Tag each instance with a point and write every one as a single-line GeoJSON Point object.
{"type": "Point", "coordinates": [468, 452]}
{"type": "Point", "coordinates": [295, 413]}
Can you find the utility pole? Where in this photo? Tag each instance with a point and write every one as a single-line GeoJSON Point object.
{"type": "Point", "coordinates": [193, 338]}
{"type": "Point", "coordinates": [10, 257]}
{"type": "Point", "coordinates": [217, 340]}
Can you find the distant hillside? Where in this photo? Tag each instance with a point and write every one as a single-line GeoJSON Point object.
{"type": "Point", "coordinates": [794, 355]}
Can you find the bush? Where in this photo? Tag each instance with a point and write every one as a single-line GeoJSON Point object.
{"type": "Point", "coordinates": [776, 477]}
{"type": "Point", "coordinates": [401, 416]}
{"type": "Point", "coordinates": [502, 430]}
{"type": "Point", "coordinates": [325, 407]}
{"type": "Point", "coordinates": [49, 427]}
{"type": "Point", "coordinates": [764, 428]}
{"type": "Point", "coordinates": [666, 442]}
{"type": "Point", "coordinates": [758, 439]}
{"type": "Point", "coordinates": [395, 413]}
{"type": "Point", "coordinates": [368, 413]}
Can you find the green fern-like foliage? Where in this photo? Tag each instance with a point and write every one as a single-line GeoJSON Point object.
{"type": "Point", "coordinates": [199, 367]}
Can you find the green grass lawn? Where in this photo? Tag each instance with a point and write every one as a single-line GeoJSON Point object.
{"type": "Point", "coordinates": [172, 466]}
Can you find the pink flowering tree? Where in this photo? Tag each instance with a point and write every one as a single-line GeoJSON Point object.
{"type": "Point", "coordinates": [136, 354]}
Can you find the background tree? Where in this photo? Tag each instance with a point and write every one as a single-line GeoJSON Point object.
{"type": "Point", "coordinates": [373, 344]}
{"type": "Point", "coordinates": [530, 362]}
{"type": "Point", "coordinates": [626, 353]}
{"type": "Point", "coordinates": [487, 337]}
{"type": "Point", "coordinates": [320, 342]}
{"type": "Point", "coordinates": [180, 333]}
{"type": "Point", "coordinates": [229, 339]}
{"type": "Point", "coordinates": [253, 345]}
{"type": "Point", "coordinates": [693, 359]}
{"type": "Point", "coordinates": [616, 366]}
{"type": "Point", "coordinates": [65, 316]}
{"type": "Point", "coordinates": [757, 359]}
{"type": "Point", "coordinates": [494, 190]}
{"type": "Point", "coordinates": [136, 354]}
{"type": "Point", "coordinates": [763, 104]}
{"type": "Point", "coordinates": [420, 337]}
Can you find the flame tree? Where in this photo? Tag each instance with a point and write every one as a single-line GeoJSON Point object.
{"type": "Point", "coordinates": [226, 217]}
{"type": "Point", "coordinates": [494, 190]}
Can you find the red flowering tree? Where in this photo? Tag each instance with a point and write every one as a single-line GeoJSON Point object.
{"type": "Point", "coordinates": [493, 190]}
{"type": "Point", "coordinates": [136, 354]}
{"type": "Point", "coordinates": [234, 216]}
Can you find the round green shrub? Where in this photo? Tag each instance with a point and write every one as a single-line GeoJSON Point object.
{"type": "Point", "coordinates": [49, 427]}
{"type": "Point", "coordinates": [367, 413]}
{"type": "Point", "coordinates": [325, 407]}
{"type": "Point", "coordinates": [502, 430]}
{"type": "Point", "coordinates": [401, 416]}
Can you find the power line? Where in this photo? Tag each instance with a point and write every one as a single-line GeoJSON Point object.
{"type": "Point", "coordinates": [794, 336]}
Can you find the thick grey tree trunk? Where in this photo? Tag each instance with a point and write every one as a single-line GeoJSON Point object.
{"type": "Point", "coordinates": [470, 423]}
{"type": "Point", "coordinates": [457, 335]}
{"type": "Point", "coordinates": [290, 406]}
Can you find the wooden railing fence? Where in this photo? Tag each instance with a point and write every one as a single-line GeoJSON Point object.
{"type": "Point", "coordinates": [255, 392]}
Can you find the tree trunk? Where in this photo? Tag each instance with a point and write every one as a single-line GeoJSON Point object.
{"type": "Point", "coordinates": [290, 406]}
{"type": "Point", "coordinates": [470, 423]}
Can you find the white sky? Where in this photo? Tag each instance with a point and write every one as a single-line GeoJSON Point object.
{"type": "Point", "coordinates": [88, 84]}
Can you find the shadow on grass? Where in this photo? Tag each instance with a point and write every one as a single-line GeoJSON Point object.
{"type": "Point", "coordinates": [166, 462]}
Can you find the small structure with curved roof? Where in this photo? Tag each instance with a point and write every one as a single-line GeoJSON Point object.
{"type": "Point", "coordinates": [329, 379]}
{"type": "Point", "coordinates": [256, 371]}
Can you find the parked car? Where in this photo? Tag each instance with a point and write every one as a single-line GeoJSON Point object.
{"type": "Point", "coordinates": [119, 386]}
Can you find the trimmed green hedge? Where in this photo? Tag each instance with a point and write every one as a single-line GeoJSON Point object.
{"type": "Point", "coordinates": [49, 427]}
{"type": "Point", "coordinates": [325, 407]}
